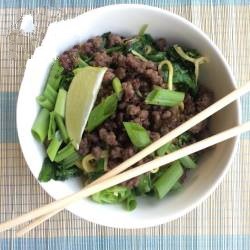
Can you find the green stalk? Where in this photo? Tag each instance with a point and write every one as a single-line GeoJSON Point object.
{"type": "Point", "coordinates": [50, 93]}
{"type": "Point", "coordinates": [117, 86]}
{"type": "Point", "coordinates": [60, 102]}
{"type": "Point", "coordinates": [55, 75]}
{"type": "Point", "coordinates": [130, 203]}
{"type": "Point", "coordinates": [64, 152]}
{"type": "Point", "coordinates": [165, 183]}
{"type": "Point", "coordinates": [52, 126]}
{"type": "Point", "coordinates": [61, 125]}
{"type": "Point", "coordinates": [40, 127]}
{"type": "Point", "coordinates": [82, 63]}
{"type": "Point", "coordinates": [168, 148]}
{"type": "Point", "coordinates": [54, 146]}
{"type": "Point", "coordinates": [70, 160]}
{"type": "Point", "coordinates": [44, 102]}
{"type": "Point", "coordinates": [164, 97]}
{"type": "Point", "coordinates": [142, 29]}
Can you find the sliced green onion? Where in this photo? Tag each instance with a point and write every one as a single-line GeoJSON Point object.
{"type": "Point", "coordinates": [165, 183]}
{"type": "Point", "coordinates": [44, 102]}
{"type": "Point", "coordinates": [82, 63]}
{"type": "Point", "coordinates": [54, 146]}
{"type": "Point", "coordinates": [55, 75]}
{"type": "Point", "coordinates": [40, 127]}
{"type": "Point", "coordinates": [142, 29]}
{"type": "Point", "coordinates": [61, 125]}
{"type": "Point", "coordinates": [144, 184]}
{"type": "Point", "coordinates": [188, 162]}
{"type": "Point", "coordinates": [176, 186]}
{"type": "Point", "coordinates": [164, 97]}
{"type": "Point", "coordinates": [101, 112]}
{"type": "Point", "coordinates": [64, 152]}
{"type": "Point", "coordinates": [70, 160]}
{"type": "Point", "coordinates": [113, 195]}
{"type": "Point", "coordinates": [87, 165]}
{"type": "Point", "coordinates": [60, 102]}
{"type": "Point", "coordinates": [137, 134]}
{"type": "Point", "coordinates": [52, 126]}
{"type": "Point", "coordinates": [130, 203]}
{"type": "Point", "coordinates": [50, 93]}
{"type": "Point", "coordinates": [117, 86]}
{"type": "Point", "coordinates": [165, 149]}
{"type": "Point", "coordinates": [139, 55]}
{"type": "Point", "coordinates": [168, 148]}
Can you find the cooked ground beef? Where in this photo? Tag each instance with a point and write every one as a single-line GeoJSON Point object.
{"type": "Point", "coordinates": [138, 79]}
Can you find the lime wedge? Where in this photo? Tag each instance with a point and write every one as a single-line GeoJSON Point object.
{"type": "Point", "coordinates": [81, 97]}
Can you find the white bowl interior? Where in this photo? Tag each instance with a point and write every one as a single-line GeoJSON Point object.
{"type": "Point", "coordinates": [126, 20]}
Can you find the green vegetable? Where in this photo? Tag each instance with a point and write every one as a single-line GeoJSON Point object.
{"type": "Point", "coordinates": [165, 149]}
{"type": "Point", "coordinates": [114, 49]}
{"type": "Point", "coordinates": [51, 171]}
{"type": "Point", "coordinates": [157, 57]}
{"type": "Point", "coordinates": [142, 29]}
{"type": "Point", "coordinates": [61, 125]}
{"type": "Point", "coordinates": [184, 139]}
{"type": "Point", "coordinates": [165, 183]}
{"type": "Point", "coordinates": [70, 160]}
{"type": "Point", "coordinates": [113, 195]}
{"type": "Point", "coordinates": [144, 185]}
{"type": "Point", "coordinates": [137, 54]}
{"type": "Point", "coordinates": [40, 127]}
{"type": "Point", "coordinates": [54, 146]}
{"type": "Point", "coordinates": [82, 63]}
{"type": "Point", "coordinates": [100, 168]}
{"type": "Point", "coordinates": [47, 172]}
{"type": "Point", "coordinates": [52, 126]}
{"type": "Point", "coordinates": [176, 186]}
{"type": "Point", "coordinates": [117, 86]}
{"type": "Point", "coordinates": [139, 43]}
{"type": "Point", "coordinates": [164, 97]}
{"type": "Point", "coordinates": [64, 152]}
{"type": "Point", "coordinates": [66, 173]}
{"type": "Point", "coordinates": [60, 102]}
{"type": "Point", "coordinates": [130, 203]}
{"type": "Point", "coordinates": [101, 112]}
{"type": "Point", "coordinates": [196, 61]}
{"type": "Point", "coordinates": [184, 71]}
{"type": "Point", "coordinates": [50, 93]}
{"type": "Point", "coordinates": [44, 102]}
{"type": "Point", "coordinates": [168, 148]}
{"type": "Point", "coordinates": [67, 78]}
{"type": "Point", "coordinates": [184, 77]}
{"type": "Point", "coordinates": [55, 75]}
{"type": "Point", "coordinates": [137, 134]}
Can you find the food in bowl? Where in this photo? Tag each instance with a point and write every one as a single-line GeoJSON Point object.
{"type": "Point", "coordinates": [111, 96]}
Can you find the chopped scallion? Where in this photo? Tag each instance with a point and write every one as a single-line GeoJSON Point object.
{"type": "Point", "coordinates": [40, 127]}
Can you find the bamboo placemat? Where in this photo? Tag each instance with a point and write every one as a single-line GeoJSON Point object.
{"type": "Point", "coordinates": [221, 222]}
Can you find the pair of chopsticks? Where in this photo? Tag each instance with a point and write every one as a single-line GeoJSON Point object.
{"type": "Point", "coordinates": [115, 176]}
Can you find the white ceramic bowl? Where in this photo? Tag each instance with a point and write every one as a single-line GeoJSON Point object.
{"type": "Point", "coordinates": [126, 20]}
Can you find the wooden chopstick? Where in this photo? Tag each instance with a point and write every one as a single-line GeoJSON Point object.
{"type": "Point", "coordinates": [154, 146]}
{"type": "Point", "coordinates": [129, 174]}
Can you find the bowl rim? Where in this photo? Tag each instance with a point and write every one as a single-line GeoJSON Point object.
{"type": "Point", "coordinates": [235, 141]}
